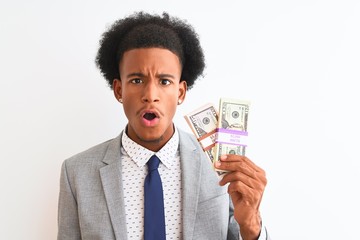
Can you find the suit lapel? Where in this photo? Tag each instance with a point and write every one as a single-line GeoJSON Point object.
{"type": "Point", "coordinates": [191, 176]}
{"type": "Point", "coordinates": [113, 189]}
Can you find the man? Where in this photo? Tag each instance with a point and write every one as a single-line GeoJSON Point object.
{"type": "Point", "coordinates": [150, 62]}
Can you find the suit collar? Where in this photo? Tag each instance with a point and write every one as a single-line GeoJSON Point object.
{"type": "Point", "coordinates": [140, 155]}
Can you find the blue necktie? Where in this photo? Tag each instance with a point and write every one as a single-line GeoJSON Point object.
{"type": "Point", "coordinates": [154, 225]}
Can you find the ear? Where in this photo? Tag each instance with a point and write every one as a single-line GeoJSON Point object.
{"type": "Point", "coordinates": [182, 91]}
{"type": "Point", "coordinates": [116, 86]}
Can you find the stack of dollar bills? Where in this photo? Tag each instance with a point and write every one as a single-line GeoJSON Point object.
{"type": "Point", "coordinates": [221, 132]}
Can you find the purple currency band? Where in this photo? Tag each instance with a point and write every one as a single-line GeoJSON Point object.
{"type": "Point", "coordinates": [231, 136]}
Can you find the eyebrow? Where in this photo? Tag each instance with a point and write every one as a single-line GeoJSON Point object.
{"type": "Point", "coordinates": [138, 74]}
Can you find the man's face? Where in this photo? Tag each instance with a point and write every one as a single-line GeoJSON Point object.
{"type": "Point", "coordinates": [150, 90]}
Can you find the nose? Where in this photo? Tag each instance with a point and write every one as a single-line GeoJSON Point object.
{"type": "Point", "coordinates": [150, 92]}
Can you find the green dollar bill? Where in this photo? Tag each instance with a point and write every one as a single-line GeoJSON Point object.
{"type": "Point", "coordinates": [232, 127]}
{"type": "Point", "coordinates": [203, 122]}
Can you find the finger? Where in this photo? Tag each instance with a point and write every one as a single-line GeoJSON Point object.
{"type": "Point", "coordinates": [240, 158]}
{"type": "Point", "coordinates": [257, 182]}
{"type": "Point", "coordinates": [249, 195]}
{"type": "Point", "coordinates": [235, 167]}
{"type": "Point", "coordinates": [240, 187]}
{"type": "Point", "coordinates": [238, 177]}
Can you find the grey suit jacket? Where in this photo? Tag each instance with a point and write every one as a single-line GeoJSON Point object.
{"type": "Point", "coordinates": [91, 204]}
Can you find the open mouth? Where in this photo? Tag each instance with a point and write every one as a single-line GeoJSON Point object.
{"type": "Point", "coordinates": [149, 116]}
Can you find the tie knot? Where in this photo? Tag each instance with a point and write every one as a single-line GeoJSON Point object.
{"type": "Point", "coordinates": [153, 163]}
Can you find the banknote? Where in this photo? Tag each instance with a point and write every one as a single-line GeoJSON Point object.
{"type": "Point", "coordinates": [231, 132]}
{"type": "Point", "coordinates": [203, 123]}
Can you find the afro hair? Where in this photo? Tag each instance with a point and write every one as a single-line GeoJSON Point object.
{"type": "Point", "coordinates": [143, 30]}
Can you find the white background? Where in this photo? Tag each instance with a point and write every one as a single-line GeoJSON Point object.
{"type": "Point", "coordinates": [296, 61]}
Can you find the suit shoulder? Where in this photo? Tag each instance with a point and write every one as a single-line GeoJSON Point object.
{"type": "Point", "coordinates": [89, 155]}
{"type": "Point", "coordinates": [187, 136]}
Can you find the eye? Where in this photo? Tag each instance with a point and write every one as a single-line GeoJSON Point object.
{"type": "Point", "coordinates": [136, 81]}
{"type": "Point", "coordinates": [165, 81]}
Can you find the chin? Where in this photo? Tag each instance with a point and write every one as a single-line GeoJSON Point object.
{"type": "Point", "coordinates": [154, 141]}
{"type": "Point", "coordinates": [150, 138]}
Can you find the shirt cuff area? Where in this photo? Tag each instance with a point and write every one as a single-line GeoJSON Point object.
{"type": "Point", "coordinates": [263, 233]}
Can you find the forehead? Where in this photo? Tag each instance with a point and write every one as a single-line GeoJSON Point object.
{"type": "Point", "coordinates": [149, 58]}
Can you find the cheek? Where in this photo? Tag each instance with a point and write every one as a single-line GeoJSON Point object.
{"type": "Point", "coordinates": [128, 108]}
{"type": "Point", "coordinates": [171, 106]}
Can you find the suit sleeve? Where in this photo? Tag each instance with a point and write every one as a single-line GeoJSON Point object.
{"type": "Point", "coordinates": [68, 220]}
{"type": "Point", "coordinates": [234, 229]}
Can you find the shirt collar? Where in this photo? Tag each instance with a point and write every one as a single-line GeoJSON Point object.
{"type": "Point", "coordinates": [141, 155]}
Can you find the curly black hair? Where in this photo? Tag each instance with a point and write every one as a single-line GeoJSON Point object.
{"type": "Point", "coordinates": [143, 30]}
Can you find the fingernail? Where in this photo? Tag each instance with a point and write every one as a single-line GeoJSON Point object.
{"type": "Point", "coordinates": [223, 157]}
{"type": "Point", "coordinates": [217, 164]}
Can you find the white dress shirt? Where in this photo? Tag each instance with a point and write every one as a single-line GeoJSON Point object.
{"type": "Point", "coordinates": [134, 170]}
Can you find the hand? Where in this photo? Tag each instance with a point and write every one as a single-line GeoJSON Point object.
{"type": "Point", "coordinates": [246, 187]}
